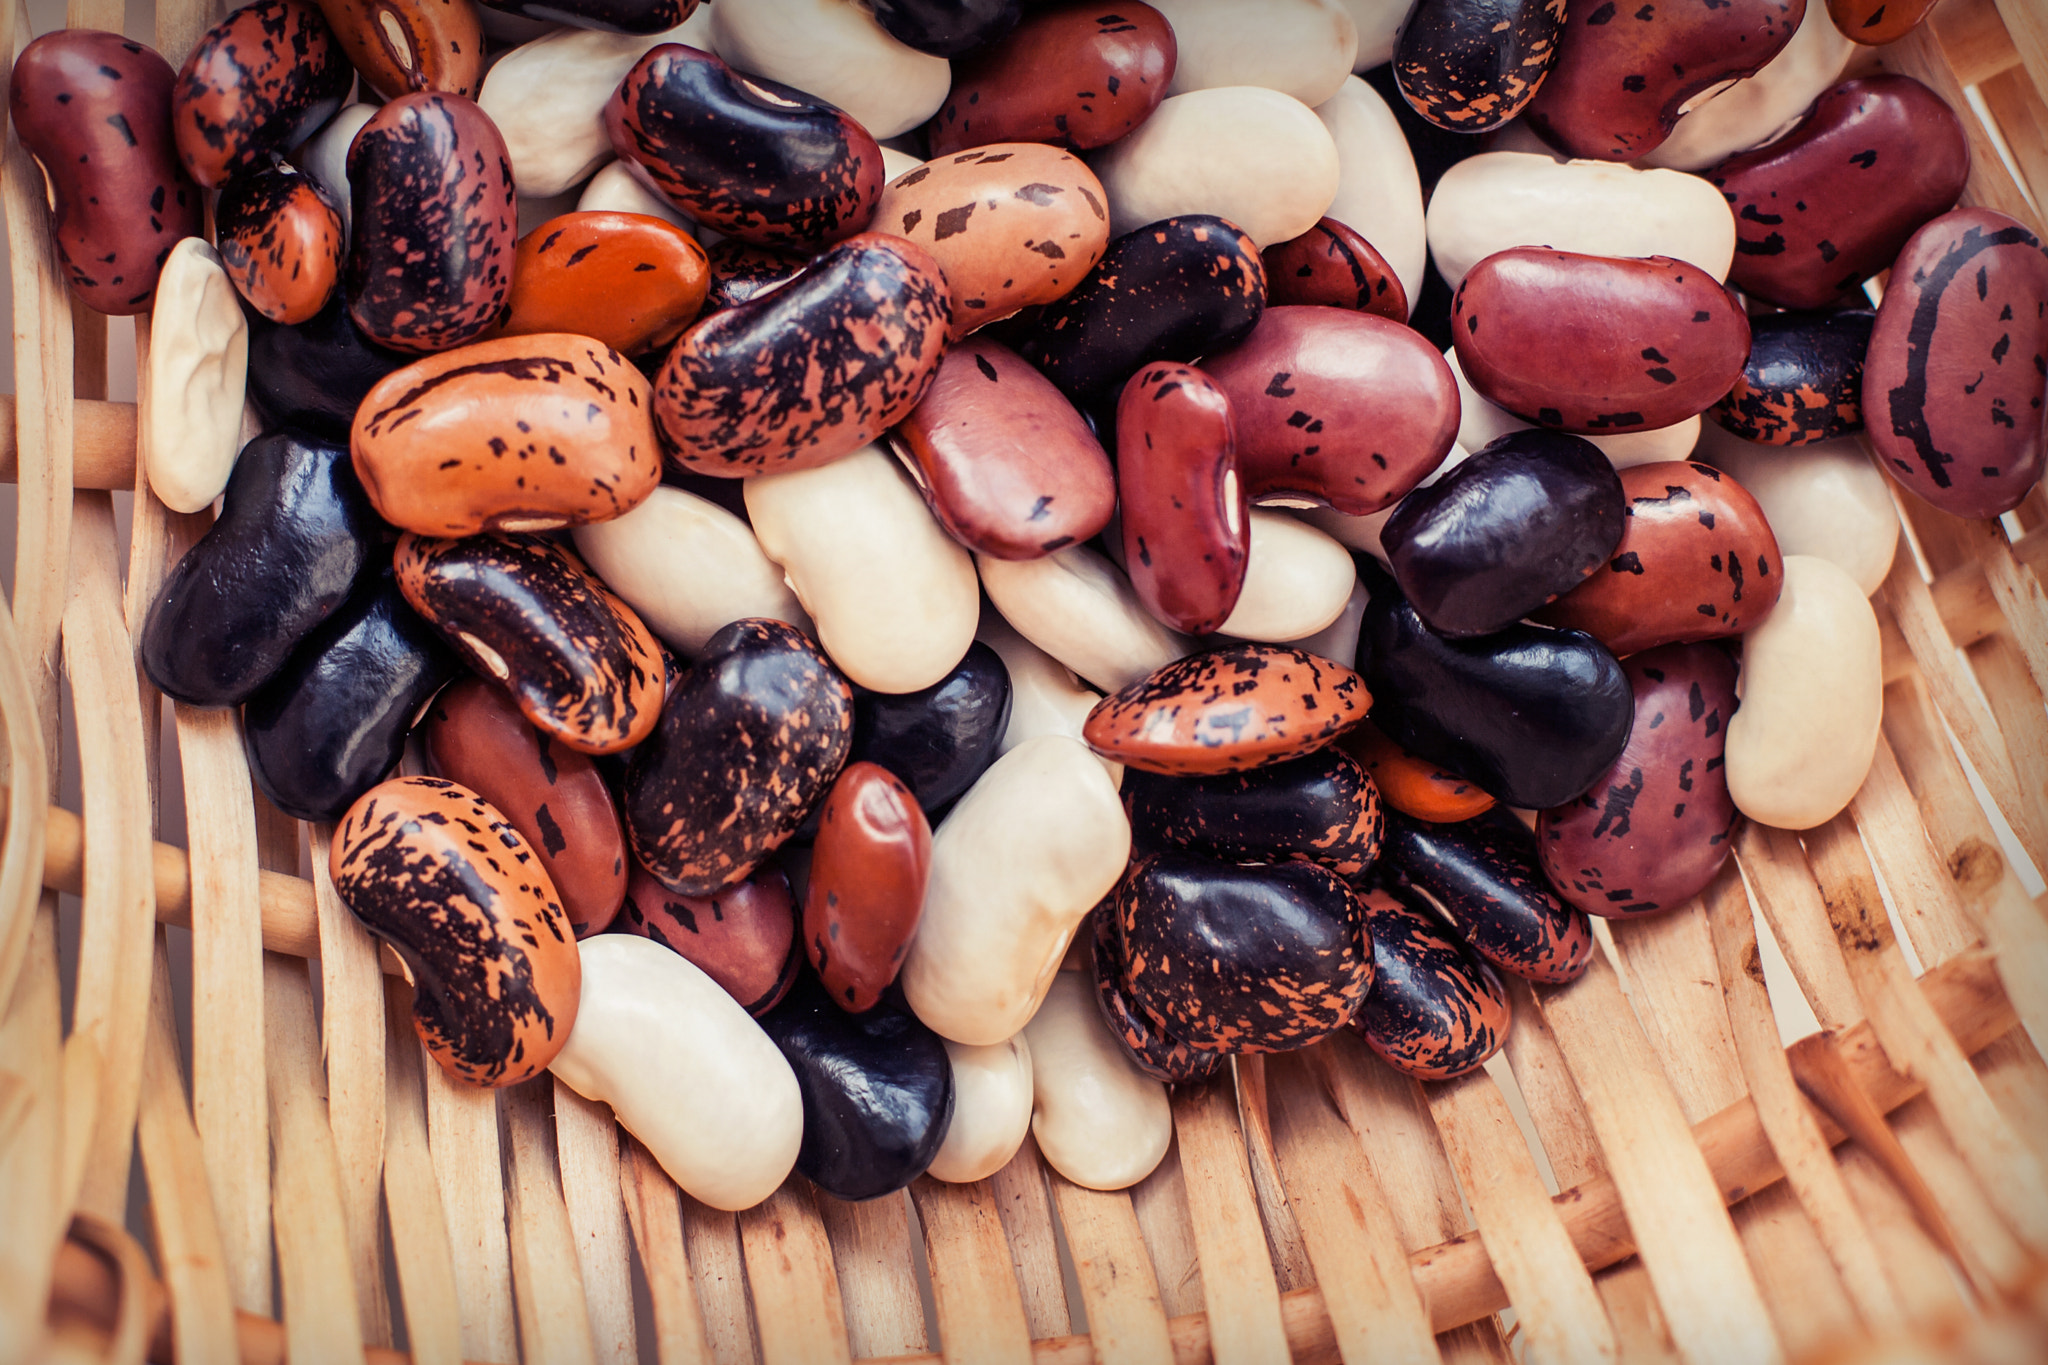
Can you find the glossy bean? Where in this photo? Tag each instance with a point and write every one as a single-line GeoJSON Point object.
{"type": "Point", "coordinates": [654, 1030]}
{"type": "Point", "coordinates": [1483, 876]}
{"type": "Point", "coordinates": [1074, 74]}
{"type": "Point", "coordinates": [626, 280]}
{"type": "Point", "coordinates": [1650, 835]}
{"type": "Point", "coordinates": [1146, 1044]}
{"type": "Point", "coordinates": [751, 738]}
{"type": "Point", "coordinates": [991, 1110]}
{"type": "Point", "coordinates": [1828, 500]}
{"type": "Point", "coordinates": [1322, 809]}
{"type": "Point", "coordinates": [314, 375]}
{"type": "Point", "coordinates": [1481, 422]}
{"type": "Point", "coordinates": [1697, 560]}
{"type": "Point", "coordinates": [1879, 23]}
{"type": "Point", "coordinates": [1803, 381]}
{"type": "Point", "coordinates": [332, 722]}
{"type": "Point", "coordinates": [1435, 1011]}
{"type": "Point", "coordinates": [947, 28]}
{"type": "Point", "coordinates": [1302, 48]}
{"type": "Point", "coordinates": [1229, 710]}
{"type": "Point", "coordinates": [1471, 65]}
{"type": "Point", "coordinates": [1185, 520]}
{"type": "Point", "coordinates": [405, 46]}
{"type": "Point", "coordinates": [282, 242]}
{"type": "Point", "coordinates": [802, 375]}
{"type": "Point", "coordinates": [437, 873]}
{"type": "Point", "coordinates": [198, 374]}
{"type": "Point", "coordinates": [1379, 190]}
{"type": "Point", "coordinates": [94, 110]}
{"type": "Point", "coordinates": [743, 937]}
{"type": "Point", "coordinates": [1413, 786]}
{"type": "Point", "coordinates": [621, 187]}
{"type": "Point", "coordinates": [1971, 287]}
{"type": "Point", "coordinates": [608, 16]}
{"type": "Point", "coordinates": [867, 882]}
{"type": "Point", "coordinates": [1099, 1121]}
{"type": "Point", "coordinates": [1045, 696]}
{"type": "Point", "coordinates": [1297, 581]}
{"type": "Point", "coordinates": [1812, 689]}
{"type": "Point", "coordinates": [579, 663]}
{"type": "Point", "coordinates": [741, 271]}
{"type": "Point", "coordinates": [1332, 265]}
{"type": "Point", "coordinates": [839, 52]}
{"type": "Point", "coordinates": [550, 793]}
{"type": "Point", "coordinates": [1030, 848]}
{"type": "Point", "coordinates": [324, 156]}
{"type": "Point", "coordinates": [939, 739]}
{"type": "Point", "coordinates": [1074, 605]}
{"type": "Point", "coordinates": [1753, 112]}
{"type": "Point", "coordinates": [548, 97]}
{"type": "Point", "coordinates": [294, 534]}
{"type": "Point", "coordinates": [434, 225]}
{"type": "Point", "coordinates": [258, 82]}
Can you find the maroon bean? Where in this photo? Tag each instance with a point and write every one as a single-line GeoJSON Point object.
{"type": "Point", "coordinates": [1185, 521]}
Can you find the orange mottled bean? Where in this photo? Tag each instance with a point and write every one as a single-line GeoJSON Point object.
{"type": "Point", "coordinates": [631, 281]}
{"type": "Point", "coordinates": [1413, 786]}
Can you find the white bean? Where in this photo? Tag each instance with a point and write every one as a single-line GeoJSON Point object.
{"type": "Point", "coordinates": [1338, 641]}
{"type": "Point", "coordinates": [894, 596]}
{"type": "Point", "coordinates": [1076, 606]}
{"type": "Point", "coordinates": [991, 1110]}
{"type": "Point", "coordinates": [324, 156]}
{"type": "Point", "coordinates": [1036, 841]}
{"type": "Point", "coordinates": [685, 1069]}
{"type": "Point", "coordinates": [620, 187]}
{"type": "Point", "coordinates": [1379, 193]}
{"type": "Point", "coordinates": [1497, 200]}
{"type": "Point", "coordinates": [1827, 499]}
{"type": "Point", "coordinates": [1100, 1121]}
{"type": "Point", "coordinates": [689, 568]}
{"type": "Point", "coordinates": [1045, 696]}
{"type": "Point", "coordinates": [548, 96]}
{"type": "Point", "coordinates": [1253, 156]}
{"type": "Point", "coordinates": [1297, 581]}
{"type": "Point", "coordinates": [835, 50]}
{"type": "Point", "coordinates": [198, 375]}
{"type": "Point", "coordinates": [1812, 690]}
{"type": "Point", "coordinates": [1379, 24]}
{"type": "Point", "coordinates": [1363, 533]}
{"type": "Point", "coordinates": [1481, 422]}
{"type": "Point", "coordinates": [1758, 110]}
{"type": "Point", "coordinates": [1302, 48]}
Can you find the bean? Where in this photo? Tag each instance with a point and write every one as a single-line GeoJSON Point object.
{"type": "Point", "coordinates": [1070, 74]}
{"type": "Point", "coordinates": [1099, 1121]}
{"type": "Point", "coordinates": [198, 377]}
{"type": "Point", "coordinates": [867, 884]}
{"type": "Point", "coordinates": [991, 1110]}
{"type": "Point", "coordinates": [743, 937]}
{"type": "Point", "coordinates": [1229, 710]}
{"type": "Point", "coordinates": [1484, 877]}
{"type": "Point", "coordinates": [259, 82]}
{"type": "Point", "coordinates": [282, 242]}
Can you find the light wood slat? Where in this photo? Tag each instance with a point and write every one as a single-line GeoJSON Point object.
{"type": "Point", "coordinates": [1161, 1202]}
{"type": "Point", "coordinates": [103, 442]}
{"type": "Point", "coordinates": [1993, 1256]}
{"type": "Point", "coordinates": [1924, 894]}
{"type": "Point", "coordinates": [1376, 1311]}
{"type": "Point", "coordinates": [2018, 1084]}
{"type": "Point", "coordinates": [352, 1037]}
{"type": "Point", "coordinates": [2019, 594]}
{"type": "Point", "coordinates": [2023, 118]}
{"type": "Point", "coordinates": [2016, 704]}
{"type": "Point", "coordinates": [657, 1221]}
{"type": "Point", "coordinates": [111, 998]}
{"type": "Point", "coordinates": [2027, 24]}
{"type": "Point", "coordinates": [1682, 1230]}
{"type": "Point", "coordinates": [1561, 1317]}
{"type": "Point", "coordinates": [1924, 1279]}
{"type": "Point", "coordinates": [587, 1151]}
{"type": "Point", "coordinates": [1126, 1323]}
{"type": "Point", "coordinates": [1779, 875]}
{"type": "Point", "coordinates": [1243, 1298]}
{"type": "Point", "coordinates": [227, 993]}
{"type": "Point", "coordinates": [188, 1245]}
{"type": "Point", "coordinates": [420, 1242]}
{"type": "Point", "coordinates": [1026, 1210]}
{"type": "Point", "coordinates": [871, 1254]}
{"type": "Point", "coordinates": [1810, 1168]}
{"type": "Point", "coordinates": [1291, 1268]}
{"type": "Point", "coordinates": [463, 1138]}
{"type": "Point", "coordinates": [974, 1286]}
{"type": "Point", "coordinates": [23, 847]}
{"type": "Point", "coordinates": [31, 1139]}
{"type": "Point", "coordinates": [320, 1318]}
{"type": "Point", "coordinates": [546, 1281]}
{"type": "Point", "coordinates": [1918, 54]}
{"type": "Point", "coordinates": [181, 23]}
{"type": "Point", "coordinates": [1974, 38]}
{"type": "Point", "coordinates": [789, 1270]}
{"type": "Point", "coordinates": [1913, 1035]}
{"type": "Point", "coordinates": [712, 1239]}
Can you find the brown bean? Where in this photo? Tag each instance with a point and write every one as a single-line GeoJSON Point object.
{"type": "Point", "coordinates": [401, 46]}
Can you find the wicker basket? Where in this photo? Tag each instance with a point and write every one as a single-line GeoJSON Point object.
{"type": "Point", "coordinates": [1315, 1205]}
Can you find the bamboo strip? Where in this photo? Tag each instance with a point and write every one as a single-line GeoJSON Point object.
{"type": "Point", "coordinates": [2023, 117]}
{"type": "Point", "coordinates": [1975, 39]}
{"type": "Point", "coordinates": [587, 1152]}
{"type": "Point", "coordinates": [789, 1269]}
{"type": "Point", "coordinates": [2016, 704]}
{"type": "Point", "coordinates": [2019, 596]}
{"type": "Point", "coordinates": [421, 1244]}
{"type": "Point", "coordinates": [871, 1254]}
{"type": "Point", "coordinates": [547, 1284]}
{"type": "Point", "coordinates": [106, 434]}
{"type": "Point", "coordinates": [2014, 1076]}
{"type": "Point", "coordinates": [657, 1223]}
{"type": "Point", "coordinates": [1775, 864]}
{"type": "Point", "coordinates": [1126, 1322]}
{"type": "Point", "coordinates": [22, 850]}
{"type": "Point", "coordinates": [712, 1241]}
{"type": "Point", "coordinates": [1376, 1312]}
{"type": "Point", "coordinates": [227, 994]}
{"type": "Point", "coordinates": [319, 1298]}
{"type": "Point", "coordinates": [1237, 1278]}
{"type": "Point", "coordinates": [1026, 1210]}
{"type": "Point", "coordinates": [2028, 28]}
{"type": "Point", "coordinates": [1680, 1223]}
{"type": "Point", "coordinates": [149, 545]}
{"type": "Point", "coordinates": [1161, 1202]}
{"type": "Point", "coordinates": [1562, 1320]}
{"type": "Point", "coordinates": [974, 1286]}
{"type": "Point", "coordinates": [352, 1036]}
{"type": "Point", "coordinates": [111, 1249]}
{"type": "Point", "coordinates": [188, 1244]}
{"type": "Point", "coordinates": [31, 1141]}
{"type": "Point", "coordinates": [1284, 1246]}
{"type": "Point", "coordinates": [463, 1137]}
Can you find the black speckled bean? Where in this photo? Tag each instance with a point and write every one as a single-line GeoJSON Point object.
{"type": "Point", "coordinates": [1485, 878]}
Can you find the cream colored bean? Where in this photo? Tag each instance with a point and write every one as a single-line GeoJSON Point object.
{"type": "Point", "coordinates": [198, 374]}
{"type": "Point", "coordinates": [689, 568]}
{"type": "Point", "coordinates": [1379, 193]}
{"type": "Point", "coordinates": [619, 188]}
{"type": "Point", "coordinates": [324, 156]}
{"type": "Point", "coordinates": [1076, 606]}
{"type": "Point", "coordinates": [1378, 23]}
{"type": "Point", "coordinates": [1296, 581]}
{"type": "Point", "coordinates": [896, 162]}
{"type": "Point", "coordinates": [1481, 422]}
{"type": "Point", "coordinates": [991, 1110]}
{"type": "Point", "coordinates": [894, 596]}
{"type": "Point", "coordinates": [1753, 112]}
{"type": "Point", "coordinates": [1302, 48]}
{"type": "Point", "coordinates": [835, 50]}
{"type": "Point", "coordinates": [1812, 698]}
{"type": "Point", "coordinates": [1363, 533]}
{"type": "Point", "coordinates": [548, 96]}
{"type": "Point", "coordinates": [1338, 641]}
{"type": "Point", "coordinates": [1254, 156]}
{"type": "Point", "coordinates": [1827, 500]}
{"type": "Point", "coordinates": [1100, 1121]}
{"type": "Point", "coordinates": [1497, 200]}
{"type": "Point", "coordinates": [1036, 841]}
{"type": "Point", "coordinates": [686, 1071]}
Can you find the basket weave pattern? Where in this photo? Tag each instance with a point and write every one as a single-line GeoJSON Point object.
{"type": "Point", "coordinates": [1315, 1205]}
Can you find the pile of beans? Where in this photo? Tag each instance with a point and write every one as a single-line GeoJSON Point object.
{"type": "Point", "coordinates": [961, 465]}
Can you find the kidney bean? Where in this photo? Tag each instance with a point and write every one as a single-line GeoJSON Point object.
{"type": "Point", "coordinates": [402, 47]}
{"type": "Point", "coordinates": [1803, 380]}
{"type": "Point", "coordinates": [838, 52]}
{"type": "Point", "coordinates": [258, 82]}
{"type": "Point", "coordinates": [606, 16]}
{"type": "Point", "coordinates": [939, 739]}
{"type": "Point", "coordinates": [1483, 876]}
{"type": "Point", "coordinates": [1075, 75]}
{"type": "Point", "coordinates": [1074, 605]}
{"type": "Point", "coordinates": [743, 937]}
{"type": "Point", "coordinates": [1229, 710]}
{"type": "Point", "coordinates": [1828, 500]}
{"type": "Point", "coordinates": [1099, 1120]}
{"type": "Point", "coordinates": [1146, 1043]}
{"type": "Point", "coordinates": [1471, 65]}
{"type": "Point", "coordinates": [1320, 809]}
{"type": "Point", "coordinates": [1379, 190]}
{"type": "Point", "coordinates": [1302, 48]}
{"type": "Point", "coordinates": [1435, 1011]}
{"type": "Point", "coordinates": [315, 374]}
{"type": "Point", "coordinates": [197, 372]}
{"type": "Point", "coordinates": [991, 1110]}
{"type": "Point", "coordinates": [947, 28]}
{"type": "Point", "coordinates": [867, 882]}
{"type": "Point", "coordinates": [1882, 22]}
{"type": "Point", "coordinates": [1185, 519]}
{"type": "Point", "coordinates": [1334, 266]}
{"type": "Point", "coordinates": [741, 271]}
{"type": "Point", "coordinates": [626, 280]}
{"type": "Point", "coordinates": [282, 242]}
{"type": "Point", "coordinates": [1751, 112]}
{"type": "Point", "coordinates": [1411, 785]}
